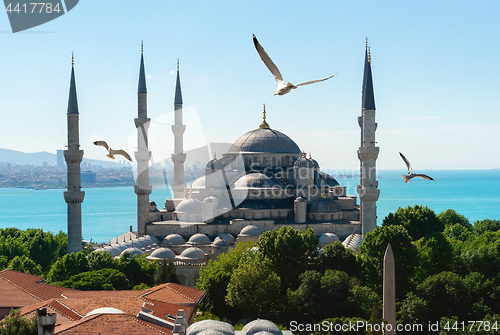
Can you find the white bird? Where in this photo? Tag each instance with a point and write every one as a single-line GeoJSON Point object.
{"type": "Point", "coordinates": [112, 152]}
{"type": "Point", "coordinates": [282, 87]}
{"type": "Point", "coordinates": [410, 175]}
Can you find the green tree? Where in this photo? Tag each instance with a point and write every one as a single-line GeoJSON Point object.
{"type": "Point", "coordinates": [26, 265]}
{"type": "Point", "coordinates": [482, 226]}
{"type": "Point", "coordinates": [101, 260]}
{"type": "Point", "coordinates": [371, 256]}
{"type": "Point", "coordinates": [291, 252]}
{"type": "Point", "coordinates": [457, 232]}
{"type": "Point", "coordinates": [42, 246]}
{"type": "Point", "coordinates": [67, 266]}
{"type": "Point", "coordinates": [215, 277]}
{"type": "Point", "coordinates": [337, 257]}
{"type": "Point", "coordinates": [11, 247]}
{"type": "Point", "coordinates": [449, 218]}
{"type": "Point", "coordinates": [15, 324]}
{"type": "Point", "coordinates": [254, 289]}
{"type": "Point", "coordinates": [481, 254]}
{"type": "Point", "coordinates": [138, 270]}
{"type": "Point", "coordinates": [167, 273]}
{"type": "Point", "coordinates": [435, 254]}
{"type": "Point", "coordinates": [105, 279]}
{"type": "Point", "coordinates": [419, 221]}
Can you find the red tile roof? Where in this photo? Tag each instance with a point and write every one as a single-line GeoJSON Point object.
{"type": "Point", "coordinates": [31, 285]}
{"type": "Point", "coordinates": [175, 293]}
{"type": "Point", "coordinates": [111, 324]}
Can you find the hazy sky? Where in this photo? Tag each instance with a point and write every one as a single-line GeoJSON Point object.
{"type": "Point", "coordinates": [435, 72]}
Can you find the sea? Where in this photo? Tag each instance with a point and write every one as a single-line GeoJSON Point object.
{"type": "Point", "coordinates": [109, 212]}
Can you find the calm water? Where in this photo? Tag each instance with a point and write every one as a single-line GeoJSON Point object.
{"type": "Point", "coordinates": [109, 212]}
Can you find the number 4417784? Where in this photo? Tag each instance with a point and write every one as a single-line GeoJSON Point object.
{"type": "Point", "coordinates": [471, 325]}
{"type": "Point", "coordinates": [33, 7]}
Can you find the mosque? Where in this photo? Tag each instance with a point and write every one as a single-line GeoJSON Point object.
{"type": "Point", "coordinates": [264, 182]}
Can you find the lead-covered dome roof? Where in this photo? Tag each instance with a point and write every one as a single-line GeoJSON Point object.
{"type": "Point", "coordinates": [323, 205]}
{"type": "Point", "coordinates": [265, 140]}
{"type": "Point", "coordinates": [258, 180]}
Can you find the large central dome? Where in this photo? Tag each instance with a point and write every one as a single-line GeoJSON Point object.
{"type": "Point", "coordinates": [265, 140]}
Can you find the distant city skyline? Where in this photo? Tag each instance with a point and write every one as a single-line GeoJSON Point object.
{"type": "Point", "coordinates": [434, 71]}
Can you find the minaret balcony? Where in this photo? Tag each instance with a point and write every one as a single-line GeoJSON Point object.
{"type": "Point", "coordinates": [142, 156]}
{"type": "Point", "coordinates": [142, 189]}
{"type": "Point", "coordinates": [368, 193]}
{"type": "Point", "coordinates": [178, 129]}
{"type": "Point", "coordinates": [74, 197]}
{"type": "Point", "coordinates": [142, 122]}
{"type": "Point", "coordinates": [178, 158]}
{"type": "Point", "coordinates": [368, 153]}
{"type": "Point", "coordinates": [73, 156]}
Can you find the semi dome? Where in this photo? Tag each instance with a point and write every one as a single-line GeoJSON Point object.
{"type": "Point", "coordinates": [323, 205]}
{"type": "Point", "coordinates": [173, 239]}
{"type": "Point", "coordinates": [162, 253]}
{"type": "Point", "coordinates": [206, 327]}
{"type": "Point", "coordinates": [328, 238]}
{"type": "Point", "coordinates": [258, 180]}
{"type": "Point", "coordinates": [320, 177]}
{"type": "Point", "coordinates": [199, 183]}
{"type": "Point", "coordinates": [250, 230]}
{"type": "Point", "coordinates": [189, 205]}
{"type": "Point", "coordinates": [198, 239]}
{"type": "Point", "coordinates": [304, 162]}
{"type": "Point", "coordinates": [192, 253]}
{"type": "Point", "coordinates": [261, 326]}
{"type": "Point", "coordinates": [214, 164]}
{"type": "Point", "coordinates": [265, 140]}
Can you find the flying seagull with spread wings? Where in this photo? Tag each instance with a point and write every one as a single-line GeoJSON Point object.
{"type": "Point", "coordinates": [282, 87]}
{"type": "Point", "coordinates": [111, 153]}
{"type": "Point", "coordinates": [410, 174]}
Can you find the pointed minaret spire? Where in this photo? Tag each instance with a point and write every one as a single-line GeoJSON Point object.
{"type": "Point", "coordinates": [142, 74]}
{"type": "Point", "coordinates": [368, 96]}
{"type": "Point", "coordinates": [74, 195]}
{"type": "Point", "coordinates": [73, 101]}
{"type": "Point", "coordinates": [178, 93]}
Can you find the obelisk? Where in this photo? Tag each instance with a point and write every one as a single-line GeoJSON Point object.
{"type": "Point", "coordinates": [389, 312]}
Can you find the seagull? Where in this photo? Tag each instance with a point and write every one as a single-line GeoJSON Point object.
{"type": "Point", "coordinates": [282, 87]}
{"type": "Point", "coordinates": [112, 152]}
{"type": "Point", "coordinates": [410, 175]}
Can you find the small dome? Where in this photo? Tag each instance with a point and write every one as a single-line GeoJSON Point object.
{"type": "Point", "coordinates": [173, 239]}
{"type": "Point", "coordinates": [152, 203]}
{"type": "Point", "coordinates": [100, 250]}
{"type": "Point", "coordinates": [199, 183]}
{"type": "Point", "coordinates": [258, 180]}
{"type": "Point", "coordinates": [132, 251]}
{"type": "Point", "coordinates": [323, 205]}
{"type": "Point", "coordinates": [192, 253]}
{"type": "Point", "coordinates": [304, 162]}
{"type": "Point", "coordinates": [215, 164]}
{"type": "Point", "coordinates": [218, 242]}
{"type": "Point", "coordinates": [140, 243]}
{"type": "Point", "coordinates": [198, 239]}
{"type": "Point", "coordinates": [300, 199]}
{"type": "Point", "coordinates": [353, 242]}
{"type": "Point", "coordinates": [253, 204]}
{"type": "Point", "coordinates": [104, 310]}
{"type": "Point", "coordinates": [206, 327]}
{"type": "Point", "coordinates": [261, 326]}
{"type": "Point", "coordinates": [189, 205]}
{"type": "Point", "coordinates": [265, 140]}
{"type": "Point", "coordinates": [162, 253]}
{"type": "Point", "coordinates": [328, 238]}
{"type": "Point", "coordinates": [228, 238]}
{"type": "Point", "coordinates": [250, 230]}
{"type": "Point", "coordinates": [151, 239]}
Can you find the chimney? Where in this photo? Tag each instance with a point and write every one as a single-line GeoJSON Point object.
{"type": "Point", "coordinates": [180, 323]}
{"type": "Point", "coordinates": [46, 322]}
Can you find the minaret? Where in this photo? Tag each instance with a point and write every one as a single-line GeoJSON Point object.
{"type": "Point", "coordinates": [178, 157]}
{"type": "Point", "coordinates": [74, 195]}
{"type": "Point", "coordinates": [142, 155]}
{"type": "Point", "coordinates": [368, 153]}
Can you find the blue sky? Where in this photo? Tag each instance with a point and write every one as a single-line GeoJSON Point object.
{"type": "Point", "coordinates": [435, 71]}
